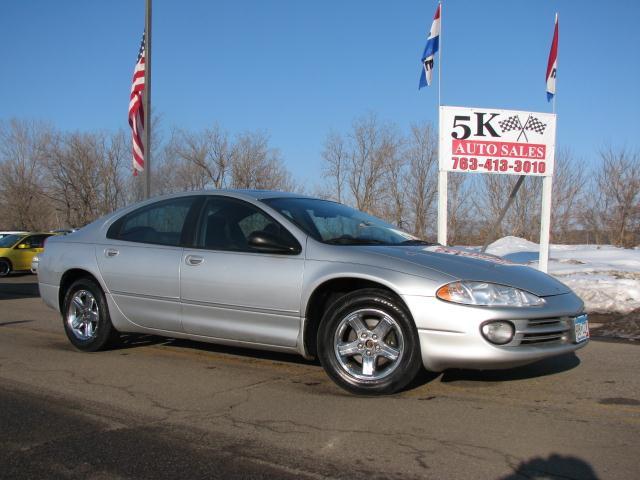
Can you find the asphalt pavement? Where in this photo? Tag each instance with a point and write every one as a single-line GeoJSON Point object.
{"type": "Point", "coordinates": [161, 408]}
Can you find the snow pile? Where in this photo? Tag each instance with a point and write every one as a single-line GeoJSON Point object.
{"type": "Point", "coordinates": [607, 278]}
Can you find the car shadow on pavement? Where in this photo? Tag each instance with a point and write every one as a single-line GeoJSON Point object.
{"type": "Point", "coordinates": [554, 466]}
{"type": "Point", "coordinates": [135, 340]}
{"type": "Point", "coordinates": [242, 352]}
{"type": "Point", "coordinates": [14, 291]}
{"type": "Point", "coordinates": [139, 340]}
{"type": "Point", "coordinates": [548, 366]}
{"type": "Point", "coordinates": [15, 322]}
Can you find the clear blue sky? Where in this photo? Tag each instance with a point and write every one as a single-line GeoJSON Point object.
{"type": "Point", "coordinates": [298, 69]}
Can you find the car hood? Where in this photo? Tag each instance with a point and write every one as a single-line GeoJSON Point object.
{"type": "Point", "coordinates": [468, 265]}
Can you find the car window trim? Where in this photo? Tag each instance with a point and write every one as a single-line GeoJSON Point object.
{"type": "Point", "coordinates": [116, 226]}
{"type": "Point", "coordinates": [196, 229]}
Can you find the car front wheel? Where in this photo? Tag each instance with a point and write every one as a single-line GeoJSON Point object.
{"type": "Point", "coordinates": [86, 317]}
{"type": "Point", "coordinates": [5, 268]}
{"type": "Point", "coordinates": [368, 343]}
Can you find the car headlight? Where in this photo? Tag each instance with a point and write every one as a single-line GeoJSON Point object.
{"type": "Point", "coordinates": [487, 294]}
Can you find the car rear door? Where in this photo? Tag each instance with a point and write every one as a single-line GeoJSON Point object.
{"type": "Point", "coordinates": [140, 262]}
{"type": "Point", "coordinates": [231, 291]}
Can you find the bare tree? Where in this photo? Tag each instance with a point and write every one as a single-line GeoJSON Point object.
{"type": "Point", "coordinates": [335, 168]}
{"type": "Point", "coordinates": [460, 227]}
{"type": "Point", "coordinates": [394, 194]}
{"type": "Point", "coordinates": [209, 151]}
{"type": "Point", "coordinates": [74, 164]}
{"type": "Point", "coordinates": [523, 217]}
{"type": "Point", "coordinates": [618, 184]}
{"type": "Point", "coordinates": [568, 184]}
{"type": "Point", "coordinates": [22, 147]}
{"type": "Point", "coordinates": [257, 165]}
{"type": "Point", "coordinates": [420, 178]}
{"type": "Point", "coordinates": [370, 145]}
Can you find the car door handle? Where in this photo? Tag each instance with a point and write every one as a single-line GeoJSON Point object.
{"type": "Point", "coordinates": [194, 260]}
{"type": "Point", "coordinates": [111, 252]}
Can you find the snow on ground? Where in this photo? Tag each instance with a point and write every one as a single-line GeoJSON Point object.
{"type": "Point", "coordinates": [607, 278]}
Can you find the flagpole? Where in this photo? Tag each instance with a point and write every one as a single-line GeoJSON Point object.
{"type": "Point", "coordinates": [440, 58]}
{"type": "Point", "coordinates": [147, 100]}
{"type": "Point", "coordinates": [442, 174]}
{"type": "Point", "coordinates": [547, 190]}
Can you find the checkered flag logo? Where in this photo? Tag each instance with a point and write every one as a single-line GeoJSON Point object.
{"type": "Point", "coordinates": [511, 123]}
{"type": "Point", "coordinates": [535, 125]}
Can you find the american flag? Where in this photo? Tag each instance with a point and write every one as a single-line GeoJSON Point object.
{"type": "Point", "coordinates": [136, 111]}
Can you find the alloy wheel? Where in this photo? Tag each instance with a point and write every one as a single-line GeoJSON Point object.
{"type": "Point", "coordinates": [369, 344]}
{"type": "Point", "coordinates": [83, 315]}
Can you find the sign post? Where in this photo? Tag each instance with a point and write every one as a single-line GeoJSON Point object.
{"type": "Point", "coordinates": [495, 141]}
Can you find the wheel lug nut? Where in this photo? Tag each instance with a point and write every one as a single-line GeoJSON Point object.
{"type": "Point", "coordinates": [360, 346]}
{"type": "Point", "coordinates": [363, 335]}
{"type": "Point", "coordinates": [375, 337]}
{"type": "Point", "coordinates": [368, 352]}
{"type": "Point", "coordinates": [377, 347]}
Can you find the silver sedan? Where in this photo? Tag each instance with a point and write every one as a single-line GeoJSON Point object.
{"type": "Point", "coordinates": [284, 272]}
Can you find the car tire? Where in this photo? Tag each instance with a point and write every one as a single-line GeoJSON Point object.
{"type": "Point", "coordinates": [85, 316]}
{"type": "Point", "coordinates": [368, 343]}
{"type": "Point", "coordinates": [5, 267]}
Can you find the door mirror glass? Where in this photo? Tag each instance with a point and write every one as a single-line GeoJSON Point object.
{"type": "Point", "coordinates": [22, 246]}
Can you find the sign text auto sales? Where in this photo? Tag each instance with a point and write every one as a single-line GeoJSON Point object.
{"type": "Point", "coordinates": [496, 141]}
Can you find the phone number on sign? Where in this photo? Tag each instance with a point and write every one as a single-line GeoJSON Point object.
{"type": "Point", "coordinates": [498, 165]}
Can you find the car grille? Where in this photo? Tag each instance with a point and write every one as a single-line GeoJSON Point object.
{"type": "Point", "coordinates": [541, 331]}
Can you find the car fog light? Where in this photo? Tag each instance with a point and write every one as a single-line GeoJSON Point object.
{"type": "Point", "coordinates": [499, 332]}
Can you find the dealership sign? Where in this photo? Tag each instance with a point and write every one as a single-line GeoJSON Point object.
{"type": "Point", "coordinates": [486, 140]}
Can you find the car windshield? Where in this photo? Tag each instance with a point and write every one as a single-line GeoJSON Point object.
{"type": "Point", "coordinates": [337, 224]}
{"type": "Point", "coordinates": [9, 240]}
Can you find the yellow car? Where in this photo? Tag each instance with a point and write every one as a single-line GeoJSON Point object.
{"type": "Point", "coordinates": [17, 251]}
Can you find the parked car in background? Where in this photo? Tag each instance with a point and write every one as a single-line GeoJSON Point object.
{"type": "Point", "coordinates": [17, 251]}
{"type": "Point", "coordinates": [64, 231]}
{"type": "Point", "coordinates": [296, 274]}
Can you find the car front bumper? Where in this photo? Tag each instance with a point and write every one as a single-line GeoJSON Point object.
{"type": "Point", "coordinates": [450, 334]}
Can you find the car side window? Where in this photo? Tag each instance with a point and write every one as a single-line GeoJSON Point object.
{"type": "Point", "coordinates": [33, 241]}
{"type": "Point", "coordinates": [36, 241]}
{"type": "Point", "coordinates": [227, 224]}
{"type": "Point", "coordinates": [24, 241]}
{"type": "Point", "coordinates": [160, 223]}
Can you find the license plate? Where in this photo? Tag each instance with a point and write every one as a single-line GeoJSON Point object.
{"type": "Point", "coordinates": [581, 328]}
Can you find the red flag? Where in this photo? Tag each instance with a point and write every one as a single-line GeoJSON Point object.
{"type": "Point", "coordinates": [552, 64]}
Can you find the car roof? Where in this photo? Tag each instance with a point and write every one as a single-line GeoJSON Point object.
{"type": "Point", "coordinates": [257, 194]}
{"type": "Point", "coordinates": [248, 194]}
{"type": "Point", "coordinates": [26, 234]}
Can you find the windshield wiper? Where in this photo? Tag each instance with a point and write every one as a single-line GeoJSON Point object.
{"type": "Point", "coordinates": [418, 242]}
{"type": "Point", "coordinates": [354, 241]}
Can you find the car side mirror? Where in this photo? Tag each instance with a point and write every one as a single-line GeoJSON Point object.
{"type": "Point", "coordinates": [268, 243]}
{"type": "Point", "coordinates": [22, 246]}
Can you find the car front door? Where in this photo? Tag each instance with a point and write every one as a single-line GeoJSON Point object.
{"type": "Point", "coordinates": [140, 262]}
{"type": "Point", "coordinates": [26, 250]}
{"type": "Point", "coordinates": [230, 290]}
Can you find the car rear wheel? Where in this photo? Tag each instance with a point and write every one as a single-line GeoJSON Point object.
{"type": "Point", "coordinates": [86, 317]}
{"type": "Point", "coordinates": [5, 268]}
{"type": "Point", "coordinates": [368, 343]}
